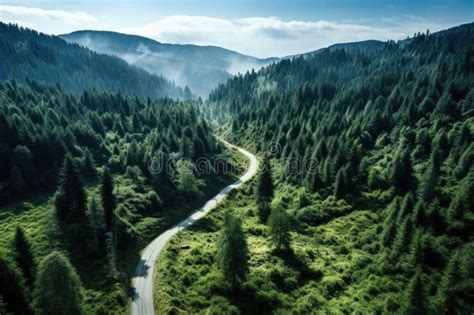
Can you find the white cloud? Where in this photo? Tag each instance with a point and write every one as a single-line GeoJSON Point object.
{"type": "Point", "coordinates": [257, 36]}
{"type": "Point", "coordinates": [271, 36]}
{"type": "Point", "coordinates": [74, 17]}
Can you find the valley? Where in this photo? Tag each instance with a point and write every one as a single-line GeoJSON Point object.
{"type": "Point", "coordinates": [144, 177]}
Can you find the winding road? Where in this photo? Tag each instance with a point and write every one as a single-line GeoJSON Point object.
{"type": "Point", "coordinates": [142, 303]}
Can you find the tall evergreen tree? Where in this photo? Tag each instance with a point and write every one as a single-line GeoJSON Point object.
{"type": "Point", "coordinates": [24, 256]}
{"type": "Point", "coordinates": [232, 251]}
{"type": "Point", "coordinates": [279, 223]}
{"type": "Point", "coordinates": [70, 199]}
{"type": "Point", "coordinates": [95, 219]}
{"type": "Point", "coordinates": [415, 300]}
{"type": "Point", "coordinates": [402, 172]}
{"type": "Point", "coordinates": [58, 287]}
{"type": "Point", "coordinates": [108, 199]}
{"type": "Point", "coordinates": [12, 288]}
{"type": "Point", "coordinates": [447, 296]}
{"type": "Point", "coordinates": [264, 190]}
{"type": "Point", "coordinates": [341, 184]}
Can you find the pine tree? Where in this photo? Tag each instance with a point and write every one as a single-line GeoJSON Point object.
{"type": "Point", "coordinates": [429, 184]}
{"type": "Point", "coordinates": [264, 190]}
{"type": "Point", "coordinates": [88, 166]}
{"type": "Point", "coordinates": [341, 185]}
{"type": "Point", "coordinates": [108, 199]}
{"type": "Point", "coordinates": [447, 296]}
{"type": "Point", "coordinates": [58, 287]}
{"type": "Point", "coordinates": [12, 288]}
{"type": "Point", "coordinates": [24, 256]}
{"type": "Point", "coordinates": [415, 297]}
{"type": "Point", "coordinates": [279, 223]}
{"type": "Point", "coordinates": [402, 172]}
{"type": "Point", "coordinates": [70, 199]}
{"type": "Point", "coordinates": [460, 214]}
{"type": "Point", "coordinates": [390, 225]}
{"type": "Point", "coordinates": [95, 219]}
{"type": "Point", "coordinates": [232, 251]}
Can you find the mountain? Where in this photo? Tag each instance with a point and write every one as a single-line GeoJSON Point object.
{"type": "Point", "coordinates": [29, 55]}
{"type": "Point", "coordinates": [200, 68]}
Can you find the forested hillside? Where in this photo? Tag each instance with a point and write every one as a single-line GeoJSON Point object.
{"type": "Point", "coordinates": [94, 176]}
{"type": "Point", "coordinates": [199, 67]}
{"type": "Point", "coordinates": [29, 55]}
{"type": "Point", "coordinates": [366, 198]}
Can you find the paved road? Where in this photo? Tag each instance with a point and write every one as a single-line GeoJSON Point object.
{"type": "Point", "coordinates": [142, 303]}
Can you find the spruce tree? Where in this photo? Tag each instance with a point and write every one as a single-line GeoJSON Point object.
{"type": "Point", "coordinates": [108, 199]}
{"type": "Point", "coordinates": [58, 287]}
{"type": "Point", "coordinates": [70, 199]}
{"type": "Point", "coordinates": [88, 166]}
{"type": "Point", "coordinates": [402, 172]}
{"type": "Point", "coordinates": [460, 214]}
{"type": "Point", "coordinates": [414, 304]}
{"type": "Point", "coordinates": [12, 287]}
{"type": "Point", "coordinates": [95, 219]}
{"type": "Point", "coordinates": [24, 256]}
{"type": "Point", "coordinates": [232, 251]}
{"type": "Point", "coordinates": [279, 223]}
{"type": "Point", "coordinates": [341, 184]}
{"type": "Point", "coordinates": [264, 190]}
{"type": "Point", "coordinates": [447, 296]}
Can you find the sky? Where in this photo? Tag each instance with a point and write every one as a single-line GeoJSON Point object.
{"type": "Point", "coordinates": [262, 28]}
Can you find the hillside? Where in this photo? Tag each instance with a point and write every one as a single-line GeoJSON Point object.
{"type": "Point", "coordinates": [365, 199]}
{"type": "Point", "coordinates": [199, 67]}
{"type": "Point", "coordinates": [29, 55]}
{"type": "Point", "coordinates": [75, 167]}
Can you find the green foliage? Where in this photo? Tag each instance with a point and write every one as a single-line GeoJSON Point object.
{"type": "Point", "coordinates": [12, 288]}
{"type": "Point", "coordinates": [188, 184]}
{"type": "Point", "coordinates": [415, 302]}
{"type": "Point", "coordinates": [279, 223]}
{"type": "Point", "coordinates": [70, 199]}
{"type": "Point", "coordinates": [232, 254]}
{"type": "Point", "coordinates": [108, 199]}
{"type": "Point", "coordinates": [24, 256]}
{"type": "Point", "coordinates": [402, 172]}
{"type": "Point", "coordinates": [58, 287]}
{"type": "Point", "coordinates": [27, 54]}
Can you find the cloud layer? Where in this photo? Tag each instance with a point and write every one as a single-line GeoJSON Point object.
{"type": "Point", "coordinates": [65, 16]}
{"type": "Point", "coordinates": [271, 36]}
{"type": "Point", "coordinates": [257, 36]}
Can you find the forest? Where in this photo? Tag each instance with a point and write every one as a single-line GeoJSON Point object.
{"type": "Point", "coordinates": [29, 55]}
{"type": "Point", "coordinates": [365, 200]}
{"type": "Point", "coordinates": [93, 176]}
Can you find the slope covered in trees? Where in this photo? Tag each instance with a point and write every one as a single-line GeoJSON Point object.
{"type": "Point", "coordinates": [122, 169]}
{"type": "Point", "coordinates": [199, 67]}
{"type": "Point", "coordinates": [29, 55]}
{"type": "Point", "coordinates": [40, 124]}
{"type": "Point", "coordinates": [372, 161]}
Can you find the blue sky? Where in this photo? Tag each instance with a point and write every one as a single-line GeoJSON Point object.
{"type": "Point", "coordinates": [259, 27]}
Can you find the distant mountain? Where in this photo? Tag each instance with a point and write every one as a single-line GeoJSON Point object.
{"type": "Point", "coordinates": [27, 54]}
{"type": "Point", "coordinates": [199, 67]}
{"type": "Point", "coordinates": [365, 47]}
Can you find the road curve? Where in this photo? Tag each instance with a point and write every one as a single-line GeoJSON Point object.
{"type": "Point", "coordinates": [142, 303]}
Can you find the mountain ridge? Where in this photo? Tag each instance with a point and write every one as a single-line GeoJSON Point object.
{"type": "Point", "coordinates": [199, 67]}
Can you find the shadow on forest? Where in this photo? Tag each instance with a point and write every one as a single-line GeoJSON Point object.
{"type": "Point", "coordinates": [292, 261]}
